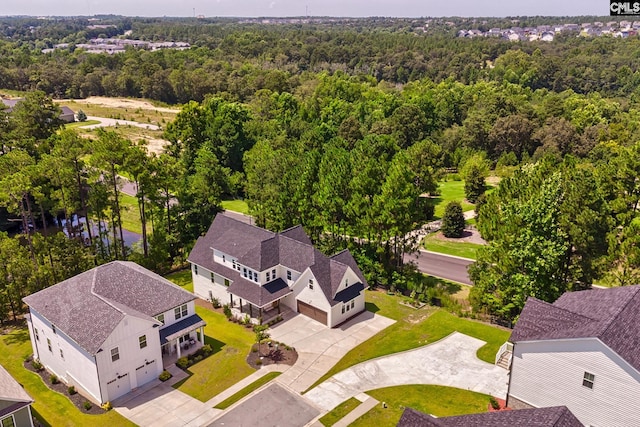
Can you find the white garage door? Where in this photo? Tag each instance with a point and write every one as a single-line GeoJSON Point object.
{"type": "Point", "coordinates": [118, 387]}
{"type": "Point", "coordinates": [146, 373]}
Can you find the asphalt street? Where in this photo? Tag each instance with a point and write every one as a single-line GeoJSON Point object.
{"type": "Point", "coordinates": [443, 266]}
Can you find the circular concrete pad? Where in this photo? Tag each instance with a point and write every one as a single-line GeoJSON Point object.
{"type": "Point", "coordinates": [273, 406]}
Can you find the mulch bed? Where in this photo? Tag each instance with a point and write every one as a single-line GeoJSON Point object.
{"type": "Point", "coordinates": [77, 399]}
{"type": "Point", "coordinates": [271, 355]}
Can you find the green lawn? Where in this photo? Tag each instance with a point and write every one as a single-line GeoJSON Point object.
{"type": "Point", "coordinates": [236, 206]}
{"type": "Point", "coordinates": [450, 191]}
{"type": "Point", "coordinates": [418, 328]}
{"type": "Point", "coordinates": [339, 412]}
{"type": "Point", "coordinates": [247, 390]}
{"type": "Point", "coordinates": [130, 214]}
{"type": "Point", "coordinates": [53, 409]}
{"type": "Point", "coordinates": [182, 278]}
{"type": "Point", "coordinates": [231, 344]}
{"type": "Point", "coordinates": [431, 399]}
{"type": "Point", "coordinates": [462, 249]}
{"type": "Point", "coordinates": [80, 124]}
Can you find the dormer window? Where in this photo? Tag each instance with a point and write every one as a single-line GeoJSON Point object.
{"type": "Point", "coordinates": [273, 274]}
{"type": "Point", "coordinates": [224, 259]}
{"type": "Point", "coordinates": [268, 276]}
{"type": "Point", "coordinates": [311, 284]}
{"type": "Point", "coordinates": [288, 274]}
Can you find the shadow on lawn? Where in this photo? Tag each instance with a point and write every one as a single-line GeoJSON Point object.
{"type": "Point", "coordinates": [449, 287]}
{"type": "Point", "coordinates": [369, 306]}
{"type": "Point", "coordinates": [19, 336]}
{"type": "Point", "coordinates": [216, 345]}
{"type": "Point", "coordinates": [39, 419]}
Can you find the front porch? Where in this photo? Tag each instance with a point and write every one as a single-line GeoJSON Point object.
{"type": "Point", "coordinates": [257, 315]}
{"type": "Point", "coordinates": [181, 338]}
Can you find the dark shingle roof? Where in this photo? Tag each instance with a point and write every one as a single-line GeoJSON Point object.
{"type": "Point", "coordinates": [10, 389]}
{"type": "Point", "coordinates": [260, 250]}
{"type": "Point", "coordinates": [557, 416]}
{"type": "Point", "coordinates": [260, 296]}
{"type": "Point", "coordinates": [89, 306]}
{"type": "Point", "coordinates": [611, 315]}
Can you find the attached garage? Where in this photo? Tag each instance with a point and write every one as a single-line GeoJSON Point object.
{"type": "Point", "coordinates": [118, 386]}
{"type": "Point", "coordinates": [313, 312]}
{"type": "Point", "coordinates": [146, 373]}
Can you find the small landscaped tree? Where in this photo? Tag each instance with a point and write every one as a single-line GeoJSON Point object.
{"type": "Point", "coordinates": [453, 220]}
{"type": "Point", "coordinates": [81, 116]}
{"type": "Point", "coordinates": [261, 335]}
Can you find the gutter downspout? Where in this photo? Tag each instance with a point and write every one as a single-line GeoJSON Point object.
{"type": "Point", "coordinates": [513, 352]}
{"type": "Point", "coordinates": [95, 360]}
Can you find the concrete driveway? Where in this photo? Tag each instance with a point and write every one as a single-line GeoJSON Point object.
{"type": "Point", "coordinates": [450, 362]}
{"type": "Point", "coordinates": [319, 347]}
{"type": "Point", "coordinates": [273, 406]}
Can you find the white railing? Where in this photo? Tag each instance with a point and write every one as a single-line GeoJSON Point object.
{"type": "Point", "coordinates": [506, 347]}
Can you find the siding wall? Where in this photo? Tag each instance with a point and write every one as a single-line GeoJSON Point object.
{"type": "Point", "coordinates": [22, 417]}
{"type": "Point", "coordinates": [314, 297]}
{"type": "Point", "coordinates": [550, 373]}
{"type": "Point", "coordinates": [337, 316]}
{"type": "Point", "coordinates": [125, 337]}
{"type": "Point", "coordinates": [77, 368]}
{"type": "Point", "coordinates": [202, 285]}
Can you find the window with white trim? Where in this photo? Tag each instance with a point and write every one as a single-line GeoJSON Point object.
{"type": "Point", "coordinates": [342, 308]}
{"type": "Point", "coordinates": [588, 379]}
{"type": "Point", "coordinates": [227, 282]}
{"type": "Point", "coordinates": [142, 341]}
{"type": "Point", "coordinates": [273, 274]}
{"type": "Point", "coordinates": [160, 318]}
{"type": "Point", "coordinates": [224, 259]}
{"type": "Point", "coordinates": [353, 303]}
{"type": "Point", "coordinates": [61, 354]}
{"type": "Point", "coordinates": [35, 332]}
{"type": "Point", "coordinates": [268, 276]}
{"type": "Point", "coordinates": [311, 284]}
{"type": "Point", "coordinates": [115, 354]}
{"type": "Point", "coordinates": [195, 269]}
{"type": "Point", "coordinates": [53, 328]}
{"type": "Point", "coordinates": [288, 274]}
{"type": "Point", "coordinates": [49, 345]}
{"type": "Point", "coordinates": [8, 421]}
{"type": "Point", "coordinates": [213, 278]}
{"type": "Point", "coordinates": [181, 311]}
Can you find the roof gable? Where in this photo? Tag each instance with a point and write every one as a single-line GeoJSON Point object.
{"type": "Point", "coordinates": [10, 390]}
{"type": "Point", "coordinates": [610, 315]}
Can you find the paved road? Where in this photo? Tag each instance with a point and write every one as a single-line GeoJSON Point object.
{"type": "Point", "coordinates": [444, 266]}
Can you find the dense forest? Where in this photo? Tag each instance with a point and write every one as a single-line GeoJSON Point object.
{"type": "Point", "coordinates": [344, 129]}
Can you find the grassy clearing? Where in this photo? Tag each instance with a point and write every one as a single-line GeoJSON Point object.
{"type": "Point", "coordinates": [182, 278]}
{"type": "Point", "coordinates": [339, 412]}
{"type": "Point", "coordinates": [132, 113]}
{"type": "Point", "coordinates": [418, 328]}
{"type": "Point", "coordinates": [231, 344]}
{"type": "Point", "coordinates": [80, 124]}
{"type": "Point", "coordinates": [462, 249]}
{"type": "Point", "coordinates": [50, 407]}
{"type": "Point", "coordinates": [130, 214]}
{"type": "Point", "coordinates": [247, 390]}
{"type": "Point", "coordinates": [236, 206]}
{"type": "Point", "coordinates": [450, 191]}
{"type": "Point", "coordinates": [431, 399]}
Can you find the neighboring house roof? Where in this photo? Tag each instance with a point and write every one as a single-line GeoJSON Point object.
{"type": "Point", "coordinates": [611, 315]}
{"type": "Point", "coordinates": [11, 103]}
{"type": "Point", "coordinates": [260, 249]}
{"type": "Point", "coordinates": [10, 389]}
{"type": "Point", "coordinates": [66, 110]}
{"type": "Point", "coordinates": [557, 416]}
{"type": "Point", "coordinates": [89, 306]}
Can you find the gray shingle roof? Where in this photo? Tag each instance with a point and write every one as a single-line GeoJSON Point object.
{"type": "Point", "coordinates": [260, 250]}
{"type": "Point", "coordinates": [611, 315]}
{"type": "Point", "coordinates": [89, 306]}
{"type": "Point", "coordinates": [10, 389]}
{"type": "Point", "coordinates": [557, 416]}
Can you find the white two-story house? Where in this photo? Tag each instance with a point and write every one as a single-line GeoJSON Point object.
{"type": "Point", "coordinates": [105, 331]}
{"type": "Point", "coordinates": [583, 352]}
{"type": "Point", "coordinates": [258, 270]}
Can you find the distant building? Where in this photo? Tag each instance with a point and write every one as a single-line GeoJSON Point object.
{"type": "Point", "coordinates": [67, 115]}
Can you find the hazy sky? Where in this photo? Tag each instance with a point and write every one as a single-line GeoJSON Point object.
{"type": "Point", "coordinates": [252, 8]}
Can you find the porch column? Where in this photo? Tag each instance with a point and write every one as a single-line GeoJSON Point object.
{"type": "Point", "coordinates": [250, 310]}
{"type": "Point", "coordinates": [278, 302]}
{"type": "Point", "coordinates": [241, 306]}
{"type": "Point", "coordinates": [201, 334]}
{"type": "Point", "coordinates": [260, 315]}
{"type": "Point", "coordinates": [178, 347]}
{"type": "Point", "coordinates": [231, 296]}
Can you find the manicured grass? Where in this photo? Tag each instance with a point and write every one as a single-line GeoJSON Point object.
{"type": "Point", "coordinates": [416, 329]}
{"type": "Point", "coordinates": [231, 344]}
{"type": "Point", "coordinates": [450, 191]}
{"type": "Point", "coordinates": [247, 390]}
{"type": "Point", "coordinates": [462, 249]}
{"type": "Point", "coordinates": [133, 113]}
{"type": "Point", "coordinates": [182, 278]}
{"type": "Point", "coordinates": [51, 408]}
{"type": "Point", "coordinates": [339, 412]}
{"type": "Point", "coordinates": [386, 305]}
{"type": "Point", "coordinates": [431, 399]}
{"type": "Point", "coordinates": [236, 206]}
{"type": "Point", "coordinates": [80, 124]}
{"type": "Point", "coordinates": [130, 214]}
